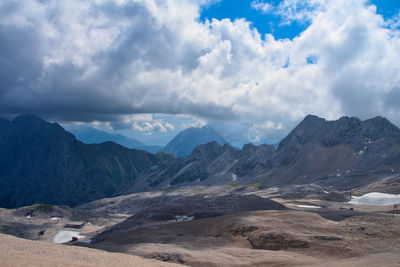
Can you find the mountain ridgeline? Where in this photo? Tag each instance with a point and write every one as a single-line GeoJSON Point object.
{"type": "Point", "coordinates": [345, 153]}
{"type": "Point", "coordinates": [185, 142]}
{"type": "Point", "coordinates": [41, 162]}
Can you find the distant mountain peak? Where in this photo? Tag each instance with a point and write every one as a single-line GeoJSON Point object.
{"type": "Point", "coordinates": [185, 142]}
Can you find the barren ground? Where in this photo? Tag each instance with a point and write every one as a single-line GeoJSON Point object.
{"type": "Point", "coordinates": [336, 234]}
{"type": "Point", "coordinates": [21, 252]}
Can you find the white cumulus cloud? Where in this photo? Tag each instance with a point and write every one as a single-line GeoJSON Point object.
{"type": "Point", "coordinates": [263, 7]}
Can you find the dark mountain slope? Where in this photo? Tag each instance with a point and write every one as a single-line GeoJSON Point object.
{"type": "Point", "coordinates": [41, 162]}
{"type": "Point", "coordinates": [184, 143]}
{"type": "Point", "coordinates": [3, 122]}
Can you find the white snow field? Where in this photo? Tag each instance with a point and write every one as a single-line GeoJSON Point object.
{"type": "Point", "coordinates": [375, 198]}
{"type": "Point", "coordinates": [305, 206]}
{"type": "Point", "coordinates": [65, 236]}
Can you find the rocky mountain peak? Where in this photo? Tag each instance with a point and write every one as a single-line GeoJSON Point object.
{"type": "Point", "coordinates": [346, 130]}
{"type": "Point", "coordinates": [33, 127]}
{"type": "Point", "coordinates": [302, 133]}
{"type": "Point", "coordinates": [207, 151]}
{"type": "Point", "coordinates": [185, 142]}
{"type": "Point", "coordinates": [248, 148]}
{"type": "Point", "coordinates": [228, 148]}
{"type": "Point", "coordinates": [379, 127]}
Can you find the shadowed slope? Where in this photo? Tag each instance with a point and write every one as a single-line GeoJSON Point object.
{"type": "Point", "coordinates": [41, 162]}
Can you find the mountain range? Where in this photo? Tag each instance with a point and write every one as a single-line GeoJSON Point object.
{"type": "Point", "coordinates": [345, 153]}
{"type": "Point", "coordinates": [41, 162]}
{"type": "Point", "coordinates": [89, 135]}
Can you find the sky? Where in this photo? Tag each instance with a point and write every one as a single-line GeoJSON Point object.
{"type": "Point", "coordinates": [148, 69]}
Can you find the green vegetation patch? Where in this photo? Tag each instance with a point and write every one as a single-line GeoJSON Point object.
{"type": "Point", "coordinates": [233, 185]}
{"type": "Point", "coordinates": [256, 186]}
{"type": "Point", "coordinates": [198, 188]}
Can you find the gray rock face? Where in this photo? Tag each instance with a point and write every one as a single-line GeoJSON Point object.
{"type": "Point", "coordinates": [185, 142]}
{"type": "Point", "coordinates": [349, 131]}
{"type": "Point", "coordinates": [345, 151]}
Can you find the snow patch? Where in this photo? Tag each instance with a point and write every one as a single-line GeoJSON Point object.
{"type": "Point", "coordinates": [183, 218]}
{"type": "Point", "coordinates": [234, 177]}
{"type": "Point", "coordinates": [375, 198]}
{"type": "Point", "coordinates": [65, 236]}
{"type": "Point", "coordinates": [55, 218]}
{"type": "Point", "coordinates": [305, 206]}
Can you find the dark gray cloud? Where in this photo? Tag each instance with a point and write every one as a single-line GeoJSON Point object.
{"type": "Point", "coordinates": [392, 99]}
{"type": "Point", "coordinates": [20, 59]}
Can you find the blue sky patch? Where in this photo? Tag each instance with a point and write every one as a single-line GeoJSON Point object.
{"type": "Point", "coordinates": [312, 59]}
{"type": "Point", "coordinates": [264, 22]}
{"type": "Point", "coordinates": [270, 22]}
{"type": "Point", "coordinates": [387, 8]}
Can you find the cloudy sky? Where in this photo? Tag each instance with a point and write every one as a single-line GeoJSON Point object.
{"type": "Point", "coordinates": [150, 68]}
